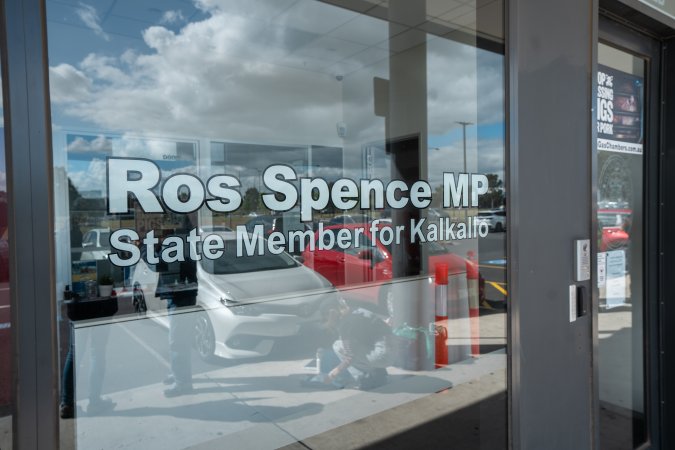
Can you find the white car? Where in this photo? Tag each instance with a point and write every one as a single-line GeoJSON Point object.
{"type": "Point", "coordinates": [95, 244]}
{"type": "Point", "coordinates": [207, 229]}
{"type": "Point", "coordinates": [495, 220]}
{"type": "Point", "coordinates": [243, 303]}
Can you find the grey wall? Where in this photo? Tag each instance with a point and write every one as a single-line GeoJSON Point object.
{"type": "Point", "coordinates": [550, 201]}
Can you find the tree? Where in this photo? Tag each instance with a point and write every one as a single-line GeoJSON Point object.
{"type": "Point", "coordinates": [495, 196]}
{"type": "Point", "coordinates": [73, 193]}
{"type": "Point", "coordinates": [251, 201]}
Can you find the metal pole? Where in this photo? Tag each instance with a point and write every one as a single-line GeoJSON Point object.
{"type": "Point", "coordinates": [464, 124]}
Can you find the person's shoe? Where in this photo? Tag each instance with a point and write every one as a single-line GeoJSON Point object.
{"type": "Point", "coordinates": [66, 411]}
{"type": "Point", "coordinates": [169, 380]}
{"type": "Point", "coordinates": [100, 406]}
{"type": "Point", "coordinates": [177, 390]}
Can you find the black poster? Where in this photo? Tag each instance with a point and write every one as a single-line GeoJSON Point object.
{"type": "Point", "coordinates": [620, 111]}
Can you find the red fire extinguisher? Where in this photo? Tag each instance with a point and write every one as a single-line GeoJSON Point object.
{"type": "Point", "coordinates": [441, 326]}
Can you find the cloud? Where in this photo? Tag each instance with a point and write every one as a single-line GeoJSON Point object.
{"type": "Point", "coordinates": [100, 144]}
{"type": "Point", "coordinates": [92, 178]}
{"type": "Point", "coordinates": [464, 84]}
{"type": "Point", "coordinates": [93, 175]}
{"type": "Point", "coordinates": [133, 146]}
{"type": "Point", "coordinates": [154, 149]}
{"type": "Point", "coordinates": [68, 84]}
{"type": "Point", "coordinates": [172, 17]}
{"type": "Point", "coordinates": [89, 16]}
{"type": "Point", "coordinates": [234, 75]}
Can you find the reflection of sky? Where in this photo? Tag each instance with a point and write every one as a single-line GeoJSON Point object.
{"type": "Point", "coordinates": [485, 149]}
{"type": "Point", "coordinates": [121, 25]}
{"type": "Point", "coordinates": [87, 158]}
{"type": "Point", "coordinates": [262, 71]}
{"type": "Point", "coordinates": [485, 132]}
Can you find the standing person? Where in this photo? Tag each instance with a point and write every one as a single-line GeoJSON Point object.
{"type": "Point", "coordinates": [179, 289]}
{"type": "Point", "coordinates": [177, 284]}
{"type": "Point", "coordinates": [96, 338]}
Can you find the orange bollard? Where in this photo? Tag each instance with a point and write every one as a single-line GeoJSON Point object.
{"type": "Point", "coordinates": [441, 328]}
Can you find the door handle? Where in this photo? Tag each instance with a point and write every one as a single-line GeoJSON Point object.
{"type": "Point", "coordinates": [582, 301]}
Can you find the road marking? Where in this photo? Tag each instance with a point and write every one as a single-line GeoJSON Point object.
{"type": "Point", "coordinates": [150, 350]}
{"type": "Point", "coordinates": [4, 306]}
{"type": "Point", "coordinates": [5, 325]}
{"type": "Point", "coordinates": [497, 286]}
{"type": "Point", "coordinates": [487, 266]}
{"type": "Point", "coordinates": [499, 262]}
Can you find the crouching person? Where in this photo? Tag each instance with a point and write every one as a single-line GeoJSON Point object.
{"type": "Point", "coordinates": [363, 350]}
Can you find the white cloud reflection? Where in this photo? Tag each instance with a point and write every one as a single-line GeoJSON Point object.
{"type": "Point", "coordinates": [100, 144]}
{"type": "Point", "coordinates": [259, 72]}
{"type": "Point", "coordinates": [89, 17]}
{"type": "Point", "coordinates": [171, 17]}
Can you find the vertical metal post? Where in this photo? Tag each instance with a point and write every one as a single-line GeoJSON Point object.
{"type": "Point", "coordinates": [29, 174]}
{"type": "Point", "coordinates": [544, 56]}
{"type": "Point", "coordinates": [464, 124]}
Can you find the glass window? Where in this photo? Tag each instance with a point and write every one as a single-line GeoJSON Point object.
{"type": "Point", "coordinates": [621, 332]}
{"type": "Point", "coordinates": [269, 225]}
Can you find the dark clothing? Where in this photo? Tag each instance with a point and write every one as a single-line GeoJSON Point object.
{"type": "Point", "coordinates": [178, 282]}
{"type": "Point", "coordinates": [75, 236]}
{"type": "Point", "coordinates": [363, 328]}
{"type": "Point", "coordinates": [180, 339]}
{"type": "Point", "coordinates": [364, 346]}
{"type": "Point", "coordinates": [177, 285]}
{"type": "Point", "coordinates": [95, 338]}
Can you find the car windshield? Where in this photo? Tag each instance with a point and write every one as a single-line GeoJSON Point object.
{"type": "Point", "coordinates": [104, 239]}
{"type": "Point", "coordinates": [608, 220]}
{"type": "Point", "coordinates": [613, 218]}
{"type": "Point", "coordinates": [230, 263]}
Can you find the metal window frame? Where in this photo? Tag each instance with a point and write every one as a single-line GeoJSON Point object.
{"type": "Point", "coordinates": [32, 248]}
{"type": "Point", "coordinates": [29, 164]}
{"type": "Point", "coordinates": [29, 167]}
{"type": "Point", "coordinates": [647, 48]}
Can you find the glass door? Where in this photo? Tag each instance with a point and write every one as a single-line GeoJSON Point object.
{"type": "Point", "coordinates": [6, 362]}
{"type": "Point", "coordinates": [625, 144]}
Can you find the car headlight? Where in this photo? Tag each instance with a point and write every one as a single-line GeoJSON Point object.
{"type": "Point", "coordinates": [242, 309]}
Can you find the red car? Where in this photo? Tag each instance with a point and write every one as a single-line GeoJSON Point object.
{"type": "Point", "coordinates": [361, 271]}
{"type": "Point", "coordinates": [615, 225]}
